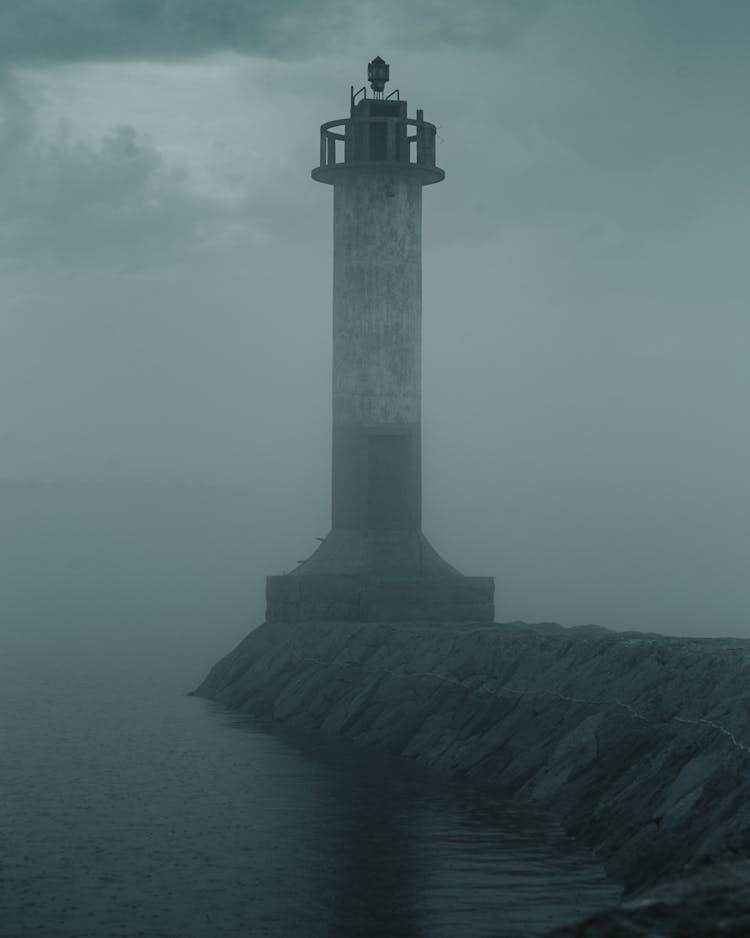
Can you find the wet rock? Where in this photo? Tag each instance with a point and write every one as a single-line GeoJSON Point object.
{"type": "Point", "coordinates": [704, 903]}
{"type": "Point", "coordinates": [639, 742]}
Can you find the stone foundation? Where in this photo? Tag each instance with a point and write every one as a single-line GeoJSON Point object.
{"type": "Point", "coordinates": [336, 597]}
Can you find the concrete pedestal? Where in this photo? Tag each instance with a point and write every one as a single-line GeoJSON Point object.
{"type": "Point", "coordinates": [351, 598]}
{"type": "Point", "coordinates": [378, 576]}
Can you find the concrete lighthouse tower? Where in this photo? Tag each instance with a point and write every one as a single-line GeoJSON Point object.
{"type": "Point", "coordinates": [376, 564]}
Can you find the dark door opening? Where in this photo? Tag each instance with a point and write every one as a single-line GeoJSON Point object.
{"type": "Point", "coordinates": [387, 505]}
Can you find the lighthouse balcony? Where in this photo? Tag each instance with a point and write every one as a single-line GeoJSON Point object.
{"type": "Point", "coordinates": [379, 142]}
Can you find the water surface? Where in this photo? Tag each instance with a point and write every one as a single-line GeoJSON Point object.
{"type": "Point", "coordinates": [127, 808]}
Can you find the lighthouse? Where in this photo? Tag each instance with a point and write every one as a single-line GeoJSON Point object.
{"type": "Point", "coordinates": [376, 564]}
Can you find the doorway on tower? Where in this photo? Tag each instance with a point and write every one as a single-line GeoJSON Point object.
{"type": "Point", "coordinates": [387, 490]}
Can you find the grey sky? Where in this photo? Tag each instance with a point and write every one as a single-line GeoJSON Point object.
{"type": "Point", "coordinates": [165, 312]}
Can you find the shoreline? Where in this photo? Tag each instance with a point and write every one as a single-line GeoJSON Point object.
{"type": "Point", "coordinates": [639, 743]}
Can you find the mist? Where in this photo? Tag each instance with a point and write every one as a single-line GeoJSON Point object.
{"type": "Point", "coordinates": [165, 313]}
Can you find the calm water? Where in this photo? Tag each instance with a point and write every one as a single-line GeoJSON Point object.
{"type": "Point", "coordinates": [127, 808]}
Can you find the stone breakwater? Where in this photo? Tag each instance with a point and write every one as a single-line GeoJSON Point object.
{"type": "Point", "coordinates": [640, 743]}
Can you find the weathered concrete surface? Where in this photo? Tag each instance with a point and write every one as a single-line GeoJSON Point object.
{"type": "Point", "coordinates": [370, 598]}
{"type": "Point", "coordinates": [377, 343]}
{"type": "Point", "coordinates": [639, 742]}
{"type": "Point", "coordinates": [377, 299]}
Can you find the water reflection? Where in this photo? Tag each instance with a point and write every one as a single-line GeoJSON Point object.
{"type": "Point", "coordinates": [395, 849]}
{"type": "Point", "coordinates": [379, 879]}
{"type": "Point", "coordinates": [147, 813]}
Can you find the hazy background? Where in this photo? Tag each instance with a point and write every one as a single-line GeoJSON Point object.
{"type": "Point", "coordinates": [166, 300]}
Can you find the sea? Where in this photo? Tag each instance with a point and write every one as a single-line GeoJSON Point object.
{"type": "Point", "coordinates": [129, 808]}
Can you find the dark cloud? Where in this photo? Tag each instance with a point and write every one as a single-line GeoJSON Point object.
{"type": "Point", "coordinates": [692, 25]}
{"type": "Point", "coordinates": [38, 31]}
{"type": "Point", "coordinates": [445, 24]}
{"type": "Point", "coordinates": [114, 198]}
{"type": "Point", "coordinates": [619, 122]}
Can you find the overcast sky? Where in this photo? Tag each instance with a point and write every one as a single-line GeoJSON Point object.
{"type": "Point", "coordinates": [166, 275]}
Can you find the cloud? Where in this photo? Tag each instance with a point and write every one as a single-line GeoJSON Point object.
{"type": "Point", "coordinates": [444, 24]}
{"type": "Point", "coordinates": [613, 120]}
{"type": "Point", "coordinates": [52, 31]}
{"type": "Point", "coordinates": [607, 124]}
{"type": "Point", "coordinates": [108, 198]}
{"type": "Point", "coordinates": [48, 31]}
{"type": "Point", "coordinates": [692, 25]}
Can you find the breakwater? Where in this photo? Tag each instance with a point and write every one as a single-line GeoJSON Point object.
{"type": "Point", "coordinates": [640, 743]}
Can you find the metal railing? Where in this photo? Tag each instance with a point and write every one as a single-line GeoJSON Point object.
{"type": "Point", "coordinates": [365, 142]}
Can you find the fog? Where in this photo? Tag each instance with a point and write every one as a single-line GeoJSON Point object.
{"type": "Point", "coordinates": [165, 311]}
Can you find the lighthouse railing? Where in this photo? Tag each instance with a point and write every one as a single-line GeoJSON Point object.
{"type": "Point", "coordinates": [357, 137]}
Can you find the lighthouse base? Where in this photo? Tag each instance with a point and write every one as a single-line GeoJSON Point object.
{"type": "Point", "coordinates": [379, 599]}
{"type": "Point", "coordinates": [378, 576]}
